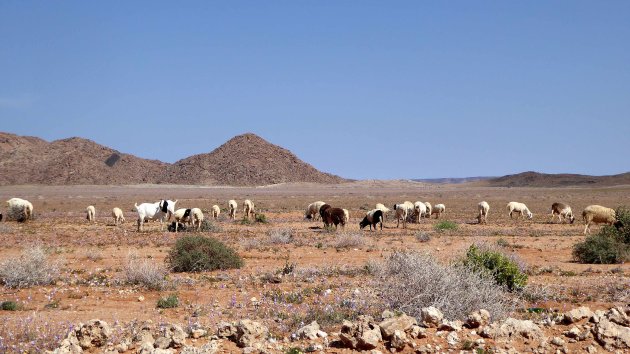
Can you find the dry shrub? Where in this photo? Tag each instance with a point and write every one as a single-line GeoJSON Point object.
{"type": "Point", "coordinates": [280, 236]}
{"type": "Point", "coordinates": [31, 334]}
{"type": "Point", "coordinates": [249, 244]}
{"type": "Point", "coordinates": [31, 268]}
{"type": "Point", "coordinates": [410, 281]}
{"type": "Point", "coordinates": [349, 240]}
{"type": "Point", "coordinates": [145, 273]}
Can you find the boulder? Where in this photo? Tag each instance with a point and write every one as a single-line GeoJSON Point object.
{"type": "Point", "coordinates": [478, 319]}
{"type": "Point", "coordinates": [396, 323]}
{"type": "Point", "coordinates": [577, 314]}
{"type": "Point", "coordinates": [363, 334]}
{"type": "Point", "coordinates": [249, 332]}
{"type": "Point", "coordinates": [431, 316]}
{"type": "Point", "coordinates": [93, 334]}
{"type": "Point", "coordinates": [611, 335]}
{"type": "Point", "coordinates": [398, 340]}
{"type": "Point", "coordinates": [309, 331]}
{"type": "Point", "coordinates": [513, 328]}
{"type": "Point", "coordinates": [226, 330]}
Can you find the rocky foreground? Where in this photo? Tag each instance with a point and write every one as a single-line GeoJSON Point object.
{"type": "Point", "coordinates": [579, 330]}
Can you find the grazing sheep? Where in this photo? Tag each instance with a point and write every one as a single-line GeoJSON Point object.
{"type": "Point", "coordinates": [91, 213]}
{"type": "Point", "coordinates": [0, 216]}
{"type": "Point", "coordinates": [322, 212]}
{"type": "Point", "coordinates": [117, 213]}
{"type": "Point", "coordinates": [420, 210]}
{"type": "Point", "coordinates": [19, 209]}
{"type": "Point", "coordinates": [162, 210]}
{"type": "Point", "coordinates": [346, 215]}
{"type": "Point", "coordinates": [438, 209]}
{"type": "Point", "coordinates": [429, 209]}
{"type": "Point", "coordinates": [597, 214]}
{"type": "Point", "coordinates": [372, 218]}
{"type": "Point", "coordinates": [519, 208]}
{"type": "Point", "coordinates": [182, 216]}
{"type": "Point", "coordinates": [196, 217]}
{"type": "Point", "coordinates": [248, 208]}
{"type": "Point", "coordinates": [483, 208]}
{"type": "Point", "coordinates": [232, 208]}
{"type": "Point", "coordinates": [401, 213]}
{"type": "Point", "coordinates": [334, 216]}
{"type": "Point", "coordinates": [563, 211]}
{"type": "Point", "coordinates": [383, 208]}
{"type": "Point", "coordinates": [215, 211]}
{"type": "Point", "coordinates": [312, 210]}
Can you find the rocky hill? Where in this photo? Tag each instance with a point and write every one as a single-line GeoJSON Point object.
{"type": "Point", "coordinates": [536, 179]}
{"type": "Point", "coordinates": [245, 160]}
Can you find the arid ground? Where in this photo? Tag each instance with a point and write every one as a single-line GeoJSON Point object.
{"type": "Point", "coordinates": [93, 256]}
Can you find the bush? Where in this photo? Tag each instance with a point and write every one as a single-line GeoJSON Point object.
{"type": "Point", "coordinates": [261, 218]}
{"type": "Point", "coordinates": [281, 236]}
{"type": "Point", "coordinates": [423, 236]}
{"type": "Point", "coordinates": [31, 268]}
{"type": "Point", "coordinates": [410, 281]}
{"type": "Point", "coordinates": [609, 245]}
{"type": "Point", "coordinates": [345, 240]}
{"type": "Point", "coordinates": [209, 226]}
{"type": "Point", "coordinates": [168, 302]}
{"type": "Point", "coordinates": [198, 253]}
{"type": "Point", "coordinates": [500, 267]}
{"type": "Point", "coordinates": [9, 306]}
{"type": "Point", "coordinates": [445, 225]}
{"type": "Point", "coordinates": [145, 273]}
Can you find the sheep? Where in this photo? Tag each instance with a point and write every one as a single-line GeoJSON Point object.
{"type": "Point", "coordinates": [346, 215]}
{"type": "Point", "coordinates": [598, 214]}
{"type": "Point", "coordinates": [563, 211]}
{"type": "Point", "coordinates": [161, 210]}
{"type": "Point", "coordinates": [248, 208]}
{"type": "Point", "coordinates": [196, 217]}
{"type": "Point", "coordinates": [322, 212]}
{"type": "Point", "coordinates": [117, 213]}
{"type": "Point", "coordinates": [334, 216]}
{"type": "Point", "coordinates": [232, 208]}
{"type": "Point", "coordinates": [312, 210]}
{"type": "Point", "coordinates": [438, 209]}
{"type": "Point", "coordinates": [420, 210]}
{"type": "Point", "coordinates": [19, 209]}
{"type": "Point", "coordinates": [483, 208]}
{"type": "Point", "coordinates": [91, 213]}
{"type": "Point", "coordinates": [215, 211]}
{"type": "Point", "coordinates": [429, 209]}
{"type": "Point", "coordinates": [382, 208]}
{"type": "Point", "coordinates": [519, 208]}
{"type": "Point", "coordinates": [401, 213]}
{"type": "Point", "coordinates": [372, 218]}
{"type": "Point", "coordinates": [182, 216]}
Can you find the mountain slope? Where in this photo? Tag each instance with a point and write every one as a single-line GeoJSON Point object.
{"type": "Point", "coordinates": [536, 179]}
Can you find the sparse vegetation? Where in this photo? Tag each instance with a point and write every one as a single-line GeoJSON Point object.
{"type": "Point", "coordinates": [145, 273]}
{"type": "Point", "coordinates": [411, 281]}
{"type": "Point", "coordinates": [422, 236]}
{"type": "Point", "coordinates": [199, 253]}
{"type": "Point", "coordinates": [280, 236]}
{"type": "Point", "coordinates": [261, 219]}
{"type": "Point", "coordinates": [609, 245]}
{"type": "Point", "coordinates": [9, 306]}
{"type": "Point", "coordinates": [209, 226]}
{"type": "Point", "coordinates": [168, 302]}
{"type": "Point", "coordinates": [445, 225]}
{"type": "Point", "coordinates": [31, 268]}
{"type": "Point", "coordinates": [349, 240]}
{"type": "Point", "coordinates": [500, 267]}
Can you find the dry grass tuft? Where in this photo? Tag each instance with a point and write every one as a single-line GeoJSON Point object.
{"type": "Point", "coordinates": [31, 268]}
{"type": "Point", "coordinates": [145, 273]}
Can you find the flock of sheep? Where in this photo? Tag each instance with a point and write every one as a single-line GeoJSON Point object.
{"type": "Point", "coordinates": [164, 210]}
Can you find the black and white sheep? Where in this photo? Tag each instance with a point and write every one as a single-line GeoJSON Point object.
{"type": "Point", "coordinates": [162, 210]}
{"type": "Point", "coordinates": [563, 211]}
{"type": "Point", "coordinates": [372, 218]}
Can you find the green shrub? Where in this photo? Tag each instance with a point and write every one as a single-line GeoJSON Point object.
{"type": "Point", "coordinates": [168, 302]}
{"type": "Point", "coordinates": [445, 225]}
{"type": "Point", "coordinates": [504, 270]}
{"type": "Point", "coordinates": [261, 218]}
{"type": "Point", "coordinates": [623, 215]}
{"type": "Point", "coordinates": [245, 221]}
{"type": "Point", "coordinates": [198, 253]}
{"type": "Point", "coordinates": [603, 248]}
{"type": "Point", "coordinates": [209, 226]}
{"type": "Point", "coordinates": [9, 306]}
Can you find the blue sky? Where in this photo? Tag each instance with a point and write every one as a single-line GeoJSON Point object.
{"type": "Point", "coordinates": [362, 89]}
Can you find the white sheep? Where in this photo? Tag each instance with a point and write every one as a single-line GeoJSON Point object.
{"type": "Point", "coordinates": [483, 208]}
{"type": "Point", "coordinates": [420, 210]}
{"type": "Point", "coordinates": [429, 209]}
{"type": "Point", "coordinates": [91, 212]}
{"type": "Point", "coordinates": [312, 210]}
{"type": "Point", "coordinates": [438, 209]}
{"type": "Point", "coordinates": [382, 208]}
{"type": "Point", "coordinates": [401, 213]}
{"type": "Point", "coordinates": [215, 211]}
{"type": "Point", "coordinates": [183, 216]}
{"type": "Point", "coordinates": [519, 208]}
{"type": "Point", "coordinates": [563, 211]}
{"type": "Point", "coordinates": [162, 210]}
{"type": "Point", "coordinates": [232, 208]}
{"type": "Point", "coordinates": [118, 215]}
{"type": "Point", "coordinates": [20, 209]}
{"type": "Point", "coordinates": [346, 215]}
{"type": "Point", "coordinates": [196, 217]}
{"type": "Point", "coordinates": [597, 214]}
{"type": "Point", "coordinates": [248, 208]}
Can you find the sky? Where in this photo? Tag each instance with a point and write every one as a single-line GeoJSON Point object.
{"type": "Point", "coordinates": [361, 89]}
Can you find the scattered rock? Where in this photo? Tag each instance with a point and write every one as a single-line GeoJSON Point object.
{"type": "Point", "coordinates": [363, 334]}
{"type": "Point", "coordinates": [431, 317]}
{"type": "Point", "coordinates": [396, 323]}
{"type": "Point", "coordinates": [512, 327]}
{"type": "Point", "coordinates": [618, 316]}
{"type": "Point", "coordinates": [557, 341]}
{"type": "Point", "coordinates": [208, 348]}
{"type": "Point", "coordinates": [417, 332]}
{"type": "Point", "coordinates": [611, 335]}
{"type": "Point", "coordinates": [478, 319]}
{"type": "Point", "coordinates": [577, 314]}
{"type": "Point", "coordinates": [310, 331]}
{"type": "Point", "coordinates": [249, 332]}
{"type": "Point", "coordinates": [450, 326]}
{"type": "Point", "coordinates": [452, 338]}
{"type": "Point", "coordinates": [398, 340]}
{"type": "Point", "coordinates": [226, 330]}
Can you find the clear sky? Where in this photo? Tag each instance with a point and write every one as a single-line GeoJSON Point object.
{"type": "Point", "coordinates": [362, 89]}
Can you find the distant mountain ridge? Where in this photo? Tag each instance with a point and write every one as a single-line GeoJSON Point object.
{"type": "Point", "coordinates": [537, 179]}
{"type": "Point", "coordinates": [245, 160]}
{"type": "Point", "coordinates": [453, 180]}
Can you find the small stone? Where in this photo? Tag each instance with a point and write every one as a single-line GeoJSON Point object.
{"type": "Point", "coordinates": [398, 340]}
{"type": "Point", "coordinates": [431, 316]}
{"type": "Point", "coordinates": [557, 341]}
{"type": "Point", "coordinates": [140, 298]}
